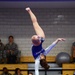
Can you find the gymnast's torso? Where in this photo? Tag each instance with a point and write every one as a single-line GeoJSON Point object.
{"type": "Point", "coordinates": [37, 50]}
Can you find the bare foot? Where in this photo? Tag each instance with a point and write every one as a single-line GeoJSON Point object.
{"type": "Point", "coordinates": [27, 9]}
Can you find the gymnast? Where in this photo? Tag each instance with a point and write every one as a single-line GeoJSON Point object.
{"type": "Point", "coordinates": [38, 52]}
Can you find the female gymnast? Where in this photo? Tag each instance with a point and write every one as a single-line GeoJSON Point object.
{"type": "Point", "coordinates": [38, 51]}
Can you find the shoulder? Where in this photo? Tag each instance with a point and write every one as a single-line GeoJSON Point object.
{"type": "Point", "coordinates": [73, 44]}
{"type": "Point", "coordinates": [7, 44]}
{"type": "Point", "coordinates": [14, 43]}
{"type": "Point", "coordinates": [42, 39]}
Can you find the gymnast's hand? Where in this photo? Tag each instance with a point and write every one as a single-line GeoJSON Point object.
{"type": "Point", "coordinates": [61, 39]}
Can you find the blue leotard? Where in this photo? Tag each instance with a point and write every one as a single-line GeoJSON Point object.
{"type": "Point", "coordinates": [37, 50]}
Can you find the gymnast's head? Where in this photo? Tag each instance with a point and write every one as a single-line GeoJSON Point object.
{"type": "Point", "coordinates": [36, 40]}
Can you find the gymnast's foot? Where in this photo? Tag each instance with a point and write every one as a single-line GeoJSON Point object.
{"type": "Point", "coordinates": [27, 9]}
